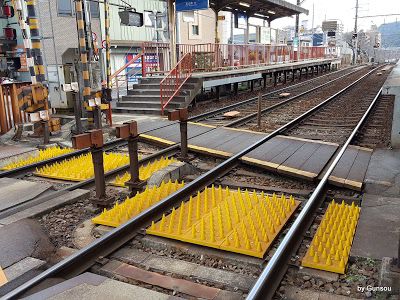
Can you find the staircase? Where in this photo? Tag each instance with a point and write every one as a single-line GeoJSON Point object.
{"type": "Point", "coordinates": [144, 98]}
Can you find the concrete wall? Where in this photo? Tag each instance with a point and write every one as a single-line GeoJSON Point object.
{"type": "Point", "coordinates": [392, 86]}
{"type": "Point", "coordinates": [128, 33]}
{"type": "Point", "coordinates": [205, 19]}
{"type": "Point", "coordinates": [65, 32]}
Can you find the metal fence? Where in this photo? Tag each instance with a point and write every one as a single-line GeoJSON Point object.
{"type": "Point", "coordinates": [219, 57]}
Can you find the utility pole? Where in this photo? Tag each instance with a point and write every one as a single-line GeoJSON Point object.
{"type": "Point", "coordinates": [355, 36]}
{"type": "Point", "coordinates": [312, 23]}
{"type": "Point", "coordinates": [296, 33]}
{"type": "Point", "coordinates": [172, 32]}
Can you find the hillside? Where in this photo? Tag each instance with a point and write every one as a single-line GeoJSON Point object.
{"type": "Point", "coordinates": [390, 34]}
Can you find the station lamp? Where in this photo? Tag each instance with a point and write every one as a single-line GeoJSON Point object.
{"type": "Point", "coordinates": [244, 4]}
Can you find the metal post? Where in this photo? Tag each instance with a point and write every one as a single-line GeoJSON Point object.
{"type": "Point", "coordinates": [134, 183]}
{"type": "Point", "coordinates": [97, 117]}
{"type": "Point", "coordinates": [284, 77]}
{"type": "Point", "coordinates": [232, 40]}
{"type": "Point", "coordinates": [98, 165]}
{"type": "Point", "coordinates": [46, 133]}
{"type": "Point", "coordinates": [296, 32]}
{"type": "Point", "coordinates": [78, 113]}
{"type": "Point", "coordinates": [184, 139]}
{"type": "Point", "coordinates": [355, 36]}
{"type": "Point", "coordinates": [235, 88]}
{"type": "Point", "coordinates": [218, 90]}
{"type": "Point", "coordinates": [172, 32]}
{"type": "Point", "coordinates": [108, 44]}
{"type": "Point", "coordinates": [251, 85]}
{"type": "Point", "coordinates": [293, 74]}
{"type": "Point", "coordinates": [259, 110]}
{"type": "Point", "coordinates": [83, 50]}
{"type": "Point", "coordinates": [275, 78]}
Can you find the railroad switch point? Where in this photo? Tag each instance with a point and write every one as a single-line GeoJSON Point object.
{"type": "Point", "coordinates": [94, 140]}
{"type": "Point", "coordinates": [181, 115]}
{"type": "Point", "coordinates": [129, 132]}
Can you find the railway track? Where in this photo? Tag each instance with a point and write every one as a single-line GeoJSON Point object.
{"type": "Point", "coordinates": [336, 120]}
{"type": "Point", "coordinates": [282, 113]}
{"type": "Point", "coordinates": [276, 267]}
{"type": "Point", "coordinates": [248, 108]}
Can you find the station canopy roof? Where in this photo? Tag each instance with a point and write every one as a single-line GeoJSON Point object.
{"type": "Point", "coordinates": [263, 9]}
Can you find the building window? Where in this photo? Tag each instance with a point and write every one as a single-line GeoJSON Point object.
{"type": "Point", "coordinates": [195, 29]}
{"type": "Point", "coordinates": [64, 7]}
{"type": "Point", "coordinates": [94, 9]}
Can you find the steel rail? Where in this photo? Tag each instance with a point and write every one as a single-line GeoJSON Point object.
{"type": "Point", "coordinates": [82, 184]}
{"type": "Point", "coordinates": [85, 257]}
{"type": "Point", "coordinates": [244, 102]}
{"type": "Point", "coordinates": [272, 107]}
{"type": "Point", "coordinates": [118, 142]}
{"type": "Point", "coordinates": [107, 146]}
{"type": "Point", "coordinates": [270, 278]}
{"type": "Point", "coordinates": [26, 168]}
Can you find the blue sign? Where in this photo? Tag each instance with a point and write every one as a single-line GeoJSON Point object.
{"type": "Point", "coordinates": [189, 5]}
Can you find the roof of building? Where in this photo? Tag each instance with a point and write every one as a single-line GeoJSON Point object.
{"type": "Point", "coordinates": [263, 9]}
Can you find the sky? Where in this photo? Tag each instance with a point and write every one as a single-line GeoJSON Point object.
{"type": "Point", "coordinates": [344, 10]}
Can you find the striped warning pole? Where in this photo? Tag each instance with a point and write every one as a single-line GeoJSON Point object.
{"type": "Point", "coordinates": [83, 50]}
{"type": "Point", "coordinates": [107, 36]}
{"type": "Point", "coordinates": [17, 4]}
{"type": "Point", "coordinates": [33, 21]}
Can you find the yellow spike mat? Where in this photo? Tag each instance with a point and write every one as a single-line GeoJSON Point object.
{"type": "Point", "coordinates": [145, 171]}
{"type": "Point", "coordinates": [37, 157]}
{"type": "Point", "coordinates": [237, 221]}
{"type": "Point", "coordinates": [81, 167]}
{"type": "Point", "coordinates": [122, 212]}
{"type": "Point", "coordinates": [330, 247]}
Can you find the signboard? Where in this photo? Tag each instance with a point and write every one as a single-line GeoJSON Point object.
{"type": "Point", "coordinates": [188, 5]}
{"type": "Point", "coordinates": [318, 39]}
{"type": "Point", "coordinates": [265, 35]}
{"type": "Point", "coordinates": [241, 20]}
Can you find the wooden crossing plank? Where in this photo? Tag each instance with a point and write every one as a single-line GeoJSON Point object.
{"type": "Point", "coordinates": [3, 278]}
{"type": "Point", "coordinates": [147, 125]}
{"type": "Point", "coordinates": [236, 145]}
{"type": "Point", "coordinates": [319, 159]}
{"type": "Point", "coordinates": [287, 152]}
{"type": "Point", "coordinates": [270, 149]}
{"type": "Point", "coordinates": [343, 167]}
{"type": "Point", "coordinates": [355, 178]}
{"type": "Point", "coordinates": [213, 139]}
{"type": "Point", "coordinates": [293, 164]}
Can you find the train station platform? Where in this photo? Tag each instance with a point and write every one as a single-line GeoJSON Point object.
{"type": "Point", "coordinates": [144, 97]}
{"type": "Point", "coordinates": [392, 87]}
{"type": "Point", "coordinates": [296, 157]}
{"type": "Point", "coordinates": [235, 75]}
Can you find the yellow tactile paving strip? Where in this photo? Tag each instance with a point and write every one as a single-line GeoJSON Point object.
{"type": "Point", "coordinates": [37, 157]}
{"type": "Point", "coordinates": [122, 212]}
{"type": "Point", "coordinates": [237, 221]}
{"type": "Point", "coordinates": [81, 167]}
{"type": "Point", "coordinates": [145, 171]}
{"type": "Point", "coordinates": [330, 247]}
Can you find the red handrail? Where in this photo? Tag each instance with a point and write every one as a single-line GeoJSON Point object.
{"type": "Point", "coordinates": [171, 85]}
{"type": "Point", "coordinates": [116, 73]}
